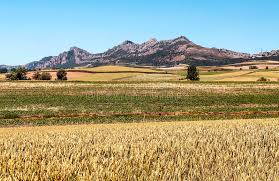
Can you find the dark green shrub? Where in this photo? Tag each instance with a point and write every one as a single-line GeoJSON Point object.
{"type": "Point", "coordinates": [36, 75]}
{"type": "Point", "coordinates": [3, 70]}
{"type": "Point", "coordinates": [45, 76]}
{"type": "Point", "coordinates": [263, 79]}
{"type": "Point", "coordinates": [61, 74]}
{"type": "Point", "coordinates": [41, 76]}
{"type": "Point", "coordinates": [253, 67]}
{"type": "Point", "coordinates": [192, 73]}
{"type": "Point", "coordinates": [17, 74]}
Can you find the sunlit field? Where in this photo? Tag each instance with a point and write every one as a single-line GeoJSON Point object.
{"type": "Point", "coordinates": [127, 128]}
{"type": "Point", "coordinates": [48, 103]}
{"type": "Point", "coordinates": [2, 77]}
{"type": "Point", "coordinates": [110, 68]}
{"type": "Point", "coordinates": [139, 90]}
{"type": "Point", "coordinates": [168, 74]}
{"type": "Point", "coordinates": [214, 150]}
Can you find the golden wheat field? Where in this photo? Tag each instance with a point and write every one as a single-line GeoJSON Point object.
{"type": "Point", "coordinates": [2, 76]}
{"type": "Point", "coordinates": [115, 68]}
{"type": "Point", "coordinates": [206, 150]}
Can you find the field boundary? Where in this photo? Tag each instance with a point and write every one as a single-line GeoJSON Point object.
{"type": "Point", "coordinates": [190, 113]}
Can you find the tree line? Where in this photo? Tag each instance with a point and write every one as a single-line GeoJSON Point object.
{"type": "Point", "coordinates": [20, 73]}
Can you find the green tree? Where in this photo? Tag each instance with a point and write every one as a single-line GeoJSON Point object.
{"type": "Point", "coordinates": [41, 76]}
{"type": "Point", "coordinates": [3, 70]}
{"type": "Point", "coordinates": [192, 73]}
{"type": "Point", "coordinates": [17, 74]}
{"type": "Point", "coordinates": [36, 75]}
{"type": "Point", "coordinates": [61, 74]}
{"type": "Point", "coordinates": [253, 67]}
{"type": "Point", "coordinates": [45, 76]}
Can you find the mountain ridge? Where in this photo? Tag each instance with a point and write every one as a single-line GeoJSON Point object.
{"type": "Point", "coordinates": [151, 52]}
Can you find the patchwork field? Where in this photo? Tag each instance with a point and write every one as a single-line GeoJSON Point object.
{"type": "Point", "coordinates": [87, 76]}
{"type": "Point", "coordinates": [123, 73]}
{"type": "Point", "coordinates": [115, 73]}
{"type": "Point", "coordinates": [174, 130]}
{"type": "Point", "coordinates": [215, 150]}
{"type": "Point", "coordinates": [240, 76]}
{"type": "Point", "coordinates": [40, 103]}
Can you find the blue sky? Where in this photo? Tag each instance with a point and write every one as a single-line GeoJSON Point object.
{"type": "Point", "coordinates": [32, 29]}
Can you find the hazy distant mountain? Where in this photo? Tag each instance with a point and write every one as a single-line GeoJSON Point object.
{"type": "Point", "coordinates": [152, 52]}
{"type": "Point", "coordinates": [272, 55]}
{"type": "Point", "coordinates": [7, 67]}
{"type": "Point", "coordinates": [3, 66]}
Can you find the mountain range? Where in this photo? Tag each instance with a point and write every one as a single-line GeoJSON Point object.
{"type": "Point", "coordinates": [153, 52]}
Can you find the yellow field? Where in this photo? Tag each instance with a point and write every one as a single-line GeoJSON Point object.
{"type": "Point", "coordinates": [2, 76]}
{"type": "Point", "coordinates": [153, 77]}
{"type": "Point", "coordinates": [73, 76]}
{"type": "Point", "coordinates": [111, 73]}
{"type": "Point", "coordinates": [111, 68]}
{"type": "Point", "coordinates": [242, 75]}
{"type": "Point", "coordinates": [83, 76]}
{"type": "Point", "coordinates": [115, 73]}
{"type": "Point", "coordinates": [217, 150]}
{"type": "Point", "coordinates": [225, 75]}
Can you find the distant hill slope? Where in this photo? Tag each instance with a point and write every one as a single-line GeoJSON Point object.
{"type": "Point", "coordinates": [152, 52]}
{"type": "Point", "coordinates": [272, 55]}
{"type": "Point", "coordinates": [7, 67]}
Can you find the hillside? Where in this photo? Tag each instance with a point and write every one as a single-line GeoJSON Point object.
{"type": "Point", "coordinates": [152, 52]}
{"type": "Point", "coordinates": [272, 55]}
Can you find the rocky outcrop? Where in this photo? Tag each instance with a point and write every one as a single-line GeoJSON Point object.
{"type": "Point", "coordinates": [272, 55]}
{"type": "Point", "coordinates": [152, 52]}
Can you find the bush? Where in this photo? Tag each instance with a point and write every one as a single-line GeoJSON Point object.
{"type": "Point", "coordinates": [36, 75]}
{"type": "Point", "coordinates": [263, 79]}
{"type": "Point", "coordinates": [41, 76]}
{"type": "Point", "coordinates": [253, 67]}
{"type": "Point", "coordinates": [61, 75]}
{"type": "Point", "coordinates": [46, 76]}
{"type": "Point", "coordinates": [192, 73]}
{"type": "Point", "coordinates": [3, 70]}
{"type": "Point", "coordinates": [17, 74]}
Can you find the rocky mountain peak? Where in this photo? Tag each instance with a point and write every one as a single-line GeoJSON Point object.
{"type": "Point", "coordinates": [152, 52]}
{"type": "Point", "coordinates": [152, 41]}
{"type": "Point", "coordinates": [74, 48]}
{"type": "Point", "coordinates": [128, 42]}
{"type": "Point", "coordinates": [182, 39]}
{"type": "Point", "coordinates": [77, 50]}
